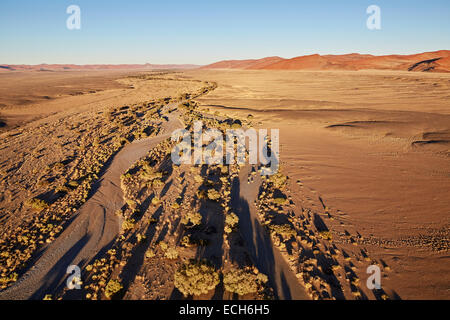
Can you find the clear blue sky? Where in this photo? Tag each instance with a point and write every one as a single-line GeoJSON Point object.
{"type": "Point", "coordinates": [201, 32]}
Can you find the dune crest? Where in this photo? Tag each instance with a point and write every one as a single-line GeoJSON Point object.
{"type": "Point", "coordinates": [437, 61]}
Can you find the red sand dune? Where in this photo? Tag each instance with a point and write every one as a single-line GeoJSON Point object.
{"type": "Point", "coordinates": [437, 61]}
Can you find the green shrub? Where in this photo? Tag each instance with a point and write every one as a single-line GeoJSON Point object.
{"type": "Point", "coordinates": [73, 184]}
{"type": "Point", "coordinates": [131, 203]}
{"type": "Point", "coordinates": [213, 194]}
{"type": "Point", "coordinates": [175, 205]}
{"type": "Point", "coordinates": [156, 201]}
{"type": "Point", "coordinates": [149, 174]}
{"type": "Point", "coordinates": [279, 201]}
{"type": "Point", "coordinates": [231, 221]}
{"type": "Point", "coordinates": [193, 217]}
{"type": "Point", "coordinates": [150, 253]}
{"type": "Point", "coordinates": [163, 245]}
{"type": "Point", "coordinates": [171, 253]}
{"type": "Point", "coordinates": [37, 204]}
{"type": "Point", "coordinates": [326, 235]}
{"type": "Point", "coordinates": [243, 281]}
{"type": "Point", "coordinates": [283, 230]}
{"type": "Point", "coordinates": [128, 224]}
{"type": "Point", "coordinates": [278, 180]}
{"type": "Point", "coordinates": [196, 278]}
{"type": "Point", "coordinates": [112, 288]}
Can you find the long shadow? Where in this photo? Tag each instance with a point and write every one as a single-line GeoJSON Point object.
{"type": "Point", "coordinates": [137, 258]}
{"type": "Point", "coordinates": [76, 294]}
{"type": "Point", "coordinates": [212, 230]}
{"type": "Point", "coordinates": [285, 287]}
{"type": "Point", "coordinates": [58, 271]}
{"type": "Point", "coordinates": [166, 188]}
{"type": "Point", "coordinates": [261, 248]}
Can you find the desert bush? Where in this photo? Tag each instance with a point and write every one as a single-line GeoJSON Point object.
{"type": "Point", "coordinates": [149, 174]}
{"type": "Point", "coordinates": [278, 180]}
{"type": "Point", "coordinates": [224, 170]}
{"type": "Point", "coordinates": [279, 201]}
{"type": "Point", "coordinates": [128, 224]}
{"type": "Point", "coordinates": [196, 278]}
{"type": "Point", "coordinates": [171, 253]}
{"type": "Point", "coordinates": [236, 125]}
{"type": "Point", "coordinates": [213, 194]}
{"type": "Point", "coordinates": [73, 184]}
{"type": "Point", "coordinates": [231, 220]}
{"type": "Point", "coordinates": [153, 220]}
{"type": "Point", "coordinates": [243, 281]}
{"type": "Point", "coordinates": [43, 183]}
{"type": "Point", "coordinates": [5, 281]}
{"type": "Point", "coordinates": [62, 189]}
{"type": "Point", "coordinates": [112, 288]}
{"type": "Point", "coordinates": [283, 230]}
{"type": "Point", "coordinates": [326, 235]}
{"type": "Point", "coordinates": [37, 204]}
{"type": "Point", "coordinates": [150, 253]}
{"type": "Point", "coordinates": [186, 241]}
{"type": "Point", "coordinates": [198, 179]}
{"type": "Point", "coordinates": [195, 218]}
{"type": "Point", "coordinates": [175, 205]}
{"type": "Point", "coordinates": [156, 201]}
{"type": "Point", "coordinates": [163, 245]}
{"type": "Point", "coordinates": [140, 237]}
{"type": "Point", "coordinates": [201, 194]}
{"type": "Point", "coordinates": [131, 203]}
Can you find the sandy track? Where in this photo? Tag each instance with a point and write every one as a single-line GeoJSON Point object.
{"type": "Point", "coordinates": [91, 231]}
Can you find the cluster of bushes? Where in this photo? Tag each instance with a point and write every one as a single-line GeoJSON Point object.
{"type": "Point", "coordinates": [112, 288]}
{"type": "Point", "coordinates": [213, 195]}
{"type": "Point", "coordinates": [283, 230]}
{"type": "Point", "coordinates": [278, 180]}
{"type": "Point", "coordinates": [128, 224]}
{"type": "Point", "coordinates": [244, 281]}
{"type": "Point", "coordinates": [169, 252]}
{"type": "Point", "coordinates": [37, 204]}
{"type": "Point", "coordinates": [152, 177]}
{"type": "Point", "coordinates": [196, 278]}
{"type": "Point", "coordinates": [231, 221]}
{"type": "Point", "coordinates": [199, 277]}
{"type": "Point", "coordinates": [195, 218]}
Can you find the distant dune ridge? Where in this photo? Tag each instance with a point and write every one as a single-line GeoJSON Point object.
{"type": "Point", "coordinates": [62, 67]}
{"type": "Point", "coordinates": [437, 61]}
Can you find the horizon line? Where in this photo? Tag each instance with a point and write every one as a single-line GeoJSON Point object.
{"type": "Point", "coordinates": [215, 61]}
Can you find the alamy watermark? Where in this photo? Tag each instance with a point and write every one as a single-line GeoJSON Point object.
{"type": "Point", "coordinates": [73, 22]}
{"type": "Point", "coordinates": [74, 280]}
{"type": "Point", "coordinates": [374, 20]}
{"type": "Point", "coordinates": [214, 147]}
{"type": "Point", "coordinates": [374, 280]}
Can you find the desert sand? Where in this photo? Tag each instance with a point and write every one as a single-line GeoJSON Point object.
{"type": "Point", "coordinates": [86, 179]}
{"type": "Point", "coordinates": [371, 148]}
